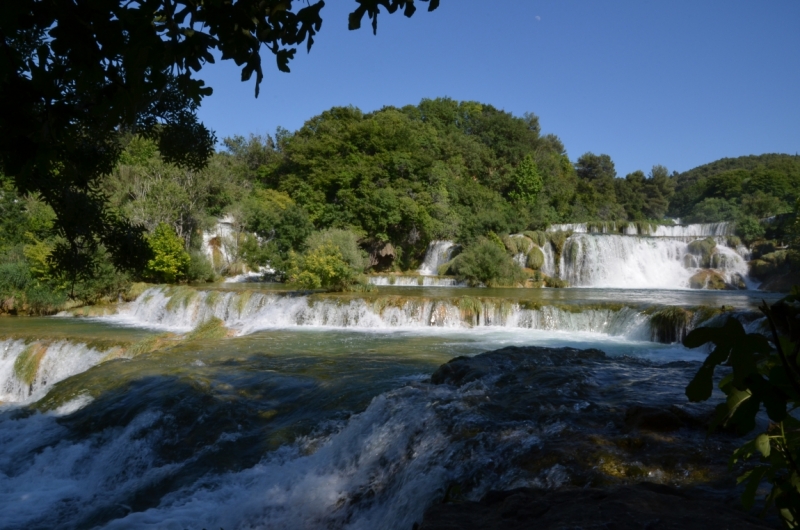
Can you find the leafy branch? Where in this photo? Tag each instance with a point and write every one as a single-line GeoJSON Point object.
{"type": "Point", "coordinates": [762, 373]}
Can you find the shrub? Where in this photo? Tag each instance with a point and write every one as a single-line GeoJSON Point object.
{"type": "Point", "coordinates": [170, 261]}
{"type": "Point", "coordinates": [347, 243]}
{"type": "Point", "coordinates": [749, 228]}
{"type": "Point", "coordinates": [199, 268]}
{"type": "Point", "coordinates": [14, 277]}
{"type": "Point", "coordinates": [486, 262]}
{"type": "Point", "coordinates": [42, 300]}
{"type": "Point", "coordinates": [321, 268]}
{"type": "Point", "coordinates": [535, 258]}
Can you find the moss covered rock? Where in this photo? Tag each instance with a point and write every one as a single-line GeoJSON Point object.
{"type": "Point", "coordinates": [708, 279]}
{"type": "Point", "coordinates": [703, 250]}
{"type": "Point", "coordinates": [535, 258]}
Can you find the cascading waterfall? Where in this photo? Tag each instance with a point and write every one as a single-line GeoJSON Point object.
{"type": "Point", "coordinates": [248, 312]}
{"type": "Point", "coordinates": [694, 230]}
{"type": "Point", "coordinates": [644, 229]}
{"type": "Point", "coordinates": [637, 262]}
{"type": "Point", "coordinates": [217, 243]}
{"type": "Point", "coordinates": [29, 369]}
{"type": "Point", "coordinates": [549, 265]}
{"type": "Point", "coordinates": [413, 281]}
{"type": "Point", "coordinates": [438, 253]}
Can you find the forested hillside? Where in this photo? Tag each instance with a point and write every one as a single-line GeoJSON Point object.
{"type": "Point", "coordinates": [759, 186]}
{"type": "Point", "coordinates": [371, 190]}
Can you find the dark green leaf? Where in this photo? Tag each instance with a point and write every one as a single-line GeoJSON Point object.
{"type": "Point", "coordinates": [752, 479]}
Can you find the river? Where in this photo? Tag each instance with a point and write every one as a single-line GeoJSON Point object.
{"type": "Point", "coordinates": [316, 411]}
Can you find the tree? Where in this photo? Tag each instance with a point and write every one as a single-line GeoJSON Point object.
{"type": "Point", "coordinates": [170, 261]}
{"type": "Point", "coordinates": [526, 181]}
{"type": "Point", "coordinates": [598, 172]}
{"type": "Point", "coordinates": [323, 267]}
{"type": "Point", "coordinates": [75, 76]}
{"type": "Point", "coordinates": [487, 262]}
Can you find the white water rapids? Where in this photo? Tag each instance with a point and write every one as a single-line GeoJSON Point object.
{"type": "Point", "coordinates": [249, 312]}
{"type": "Point", "coordinates": [48, 363]}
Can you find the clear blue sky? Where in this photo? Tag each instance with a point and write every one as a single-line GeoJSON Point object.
{"type": "Point", "coordinates": [679, 83]}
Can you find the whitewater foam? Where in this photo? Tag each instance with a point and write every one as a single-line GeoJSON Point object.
{"type": "Point", "coordinates": [247, 312]}
{"type": "Point", "coordinates": [438, 254]}
{"type": "Point", "coordinates": [44, 363]}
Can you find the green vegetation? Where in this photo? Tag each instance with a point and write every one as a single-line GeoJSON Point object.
{"type": "Point", "coordinates": [76, 80]}
{"type": "Point", "coordinates": [213, 328]}
{"type": "Point", "coordinates": [170, 261]}
{"type": "Point", "coordinates": [745, 189]}
{"type": "Point", "coordinates": [766, 371]}
{"type": "Point", "coordinates": [487, 263]}
{"type": "Point", "coordinates": [670, 324]}
{"type": "Point", "coordinates": [321, 268]}
{"type": "Point", "coordinates": [380, 187]}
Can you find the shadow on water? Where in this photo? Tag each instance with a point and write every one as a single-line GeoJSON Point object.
{"type": "Point", "coordinates": [162, 422]}
{"type": "Point", "coordinates": [200, 425]}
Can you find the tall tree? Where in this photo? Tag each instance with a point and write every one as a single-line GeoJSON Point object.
{"type": "Point", "coordinates": [76, 75]}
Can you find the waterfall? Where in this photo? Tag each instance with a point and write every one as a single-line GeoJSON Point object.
{"type": "Point", "coordinates": [631, 229]}
{"type": "Point", "coordinates": [413, 281]}
{"type": "Point", "coordinates": [246, 312]}
{"type": "Point", "coordinates": [218, 243]}
{"type": "Point", "coordinates": [639, 262]}
{"type": "Point", "coordinates": [29, 369]}
{"type": "Point", "coordinates": [694, 230]}
{"type": "Point", "coordinates": [438, 253]}
{"type": "Point", "coordinates": [549, 265]}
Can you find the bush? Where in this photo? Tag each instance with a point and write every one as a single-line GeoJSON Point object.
{"type": "Point", "coordinates": [488, 263]}
{"type": "Point", "coordinates": [712, 210]}
{"type": "Point", "coordinates": [749, 228]}
{"type": "Point", "coordinates": [42, 300]}
{"type": "Point", "coordinates": [199, 269]}
{"type": "Point", "coordinates": [347, 243]}
{"type": "Point", "coordinates": [170, 261]}
{"type": "Point", "coordinates": [14, 277]}
{"type": "Point", "coordinates": [535, 258]}
{"type": "Point", "coordinates": [106, 282]}
{"type": "Point", "coordinates": [321, 268]}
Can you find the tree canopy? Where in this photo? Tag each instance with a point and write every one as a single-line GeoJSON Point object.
{"type": "Point", "coordinates": [77, 76]}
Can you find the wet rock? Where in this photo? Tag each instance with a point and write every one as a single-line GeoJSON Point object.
{"type": "Point", "coordinates": [708, 279]}
{"type": "Point", "coordinates": [703, 249]}
{"type": "Point", "coordinates": [641, 506]}
{"type": "Point", "coordinates": [652, 419]}
{"type": "Point", "coordinates": [462, 370]}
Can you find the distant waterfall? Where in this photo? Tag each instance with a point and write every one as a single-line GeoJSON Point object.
{"type": "Point", "coordinates": [438, 254]}
{"type": "Point", "coordinates": [413, 281]}
{"type": "Point", "coordinates": [638, 262]}
{"type": "Point", "coordinates": [644, 229]}
{"type": "Point", "coordinates": [695, 230]}
{"type": "Point", "coordinates": [217, 243]}
{"type": "Point", "coordinates": [549, 266]}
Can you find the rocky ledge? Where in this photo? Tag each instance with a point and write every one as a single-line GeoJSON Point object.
{"type": "Point", "coordinates": [635, 507]}
{"type": "Point", "coordinates": [617, 446]}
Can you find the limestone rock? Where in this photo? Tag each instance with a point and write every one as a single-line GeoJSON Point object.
{"type": "Point", "coordinates": [708, 279]}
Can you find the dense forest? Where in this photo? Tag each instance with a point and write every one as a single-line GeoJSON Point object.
{"type": "Point", "coordinates": [362, 191]}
